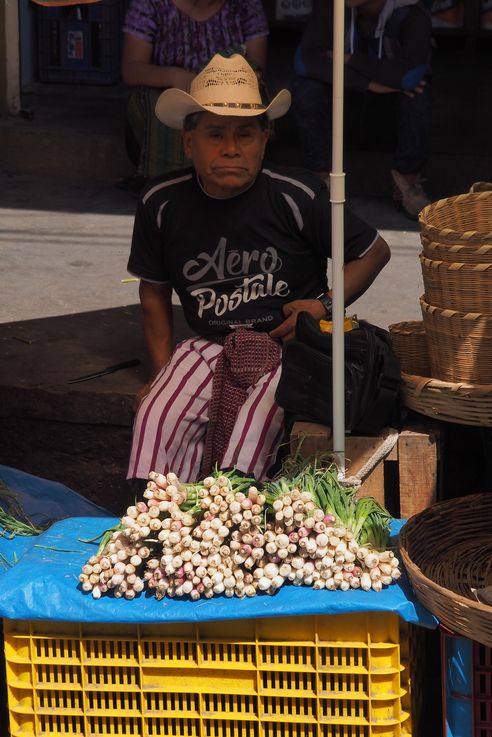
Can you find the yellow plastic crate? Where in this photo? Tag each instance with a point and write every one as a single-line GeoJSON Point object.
{"type": "Point", "coordinates": [320, 676]}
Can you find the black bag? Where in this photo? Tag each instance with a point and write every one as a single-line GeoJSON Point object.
{"type": "Point", "coordinates": [372, 377]}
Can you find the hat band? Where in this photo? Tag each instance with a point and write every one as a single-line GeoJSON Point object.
{"type": "Point", "coordinates": [237, 105]}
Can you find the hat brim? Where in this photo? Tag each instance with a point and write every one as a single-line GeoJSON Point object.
{"type": "Point", "coordinates": [174, 105]}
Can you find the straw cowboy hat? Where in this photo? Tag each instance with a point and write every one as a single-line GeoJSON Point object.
{"type": "Point", "coordinates": [226, 86]}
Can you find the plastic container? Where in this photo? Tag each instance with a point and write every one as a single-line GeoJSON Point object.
{"type": "Point", "coordinates": [80, 44]}
{"type": "Point", "coordinates": [326, 676]}
{"type": "Point", "coordinates": [467, 686]}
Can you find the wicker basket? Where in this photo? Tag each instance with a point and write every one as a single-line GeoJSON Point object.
{"type": "Point", "coordinates": [456, 286]}
{"type": "Point", "coordinates": [463, 404]}
{"type": "Point", "coordinates": [447, 550]}
{"type": "Point", "coordinates": [460, 344]}
{"type": "Point", "coordinates": [410, 346]}
{"type": "Point", "coordinates": [467, 253]}
{"type": "Point", "coordinates": [481, 187]}
{"type": "Point", "coordinates": [463, 219]}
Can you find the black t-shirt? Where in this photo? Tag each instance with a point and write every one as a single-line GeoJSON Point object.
{"type": "Point", "coordinates": [237, 261]}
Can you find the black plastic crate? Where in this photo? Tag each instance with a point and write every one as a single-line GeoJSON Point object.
{"type": "Point", "coordinates": [80, 44]}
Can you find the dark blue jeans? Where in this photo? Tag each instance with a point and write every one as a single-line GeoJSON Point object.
{"type": "Point", "coordinates": [393, 118]}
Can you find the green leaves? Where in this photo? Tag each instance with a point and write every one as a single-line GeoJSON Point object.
{"type": "Point", "coordinates": [365, 516]}
{"type": "Point", "coordinates": [13, 520]}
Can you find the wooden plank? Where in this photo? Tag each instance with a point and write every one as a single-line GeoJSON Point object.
{"type": "Point", "coordinates": [358, 451]}
{"type": "Point", "coordinates": [314, 438]}
{"type": "Point", "coordinates": [417, 463]}
{"type": "Point", "coordinates": [416, 452]}
{"type": "Point", "coordinates": [317, 438]}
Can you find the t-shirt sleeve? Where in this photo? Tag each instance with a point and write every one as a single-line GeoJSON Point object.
{"type": "Point", "coordinates": [147, 254]}
{"type": "Point", "coordinates": [358, 235]}
{"type": "Point", "coordinates": [140, 20]}
{"type": "Point", "coordinates": [253, 19]}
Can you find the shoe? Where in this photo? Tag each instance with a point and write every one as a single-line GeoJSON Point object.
{"type": "Point", "coordinates": [408, 193]}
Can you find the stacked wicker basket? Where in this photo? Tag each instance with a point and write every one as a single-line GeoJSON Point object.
{"type": "Point", "coordinates": [446, 360]}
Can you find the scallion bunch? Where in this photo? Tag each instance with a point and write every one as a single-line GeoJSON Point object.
{"type": "Point", "coordinates": [230, 536]}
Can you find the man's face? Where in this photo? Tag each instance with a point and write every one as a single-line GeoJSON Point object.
{"type": "Point", "coordinates": [227, 152]}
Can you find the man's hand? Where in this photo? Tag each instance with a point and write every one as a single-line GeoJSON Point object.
{"type": "Point", "coordinates": [287, 329]}
{"type": "Point", "coordinates": [417, 90]}
{"type": "Point", "coordinates": [383, 89]}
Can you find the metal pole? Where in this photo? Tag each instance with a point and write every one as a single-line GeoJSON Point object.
{"type": "Point", "coordinates": [337, 198]}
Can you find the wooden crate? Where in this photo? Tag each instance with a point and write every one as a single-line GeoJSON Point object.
{"type": "Point", "coordinates": [405, 481]}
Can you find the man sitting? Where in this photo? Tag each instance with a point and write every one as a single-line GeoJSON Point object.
{"type": "Point", "coordinates": [387, 60]}
{"type": "Point", "coordinates": [245, 246]}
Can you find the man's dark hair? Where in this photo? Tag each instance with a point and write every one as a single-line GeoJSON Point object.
{"type": "Point", "coordinates": [191, 121]}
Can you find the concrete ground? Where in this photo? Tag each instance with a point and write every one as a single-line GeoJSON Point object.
{"type": "Point", "coordinates": [65, 247]}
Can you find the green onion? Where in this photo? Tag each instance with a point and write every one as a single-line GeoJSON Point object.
{"type": "Point", "coordinates": [13, 520]}
{"type": "Point", "coordinates": [58, 550]}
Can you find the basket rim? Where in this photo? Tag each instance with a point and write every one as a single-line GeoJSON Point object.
{"type": "Point", "coordinates": [440, 509]}
{"type": "Point", "coordinates": [454, 265]}
{"type": "Point", "coordinates": [449, 232]}
{"type": "Point", "coordinates": [455, 388]}
{"type": "Point", "coordinates": [447, 312]}
{"type": "Point", "coordinates": [405, 326]}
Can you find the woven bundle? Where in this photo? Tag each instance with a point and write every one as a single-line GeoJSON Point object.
{"type": "Point", "coordinates": [460, 344]}
{"type": "Point", "coordinates": [465, 219]}
{"type": "Point", "coordinates": [464, 404]}
{"type": "Point", "coordinates": [457, 252]}
{"type": "Point", "coordinates": [447, 551]}
{"type": "Point", "coordinates": [458, 286]}
{"type": "Point", "coordinates": [410, 346]}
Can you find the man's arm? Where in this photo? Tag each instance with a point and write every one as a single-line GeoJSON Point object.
{"type": "Point", "coordinates": [360, 273]}
{"type": "Point", "coordinates": [358, 276]}
{"type": "Point", "coordinates": [409, 67]}
{"type": "Point", "coordinates": [157, 317]}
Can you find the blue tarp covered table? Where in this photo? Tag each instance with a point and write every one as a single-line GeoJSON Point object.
{"type": "Point", "coordinates": [43, 584]}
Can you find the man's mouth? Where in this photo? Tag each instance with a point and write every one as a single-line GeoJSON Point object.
{"type": "Point", "coordinates": [230, 170]}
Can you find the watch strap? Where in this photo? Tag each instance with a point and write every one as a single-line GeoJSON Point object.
{"type": "Point", "coordinates": [327, 303]}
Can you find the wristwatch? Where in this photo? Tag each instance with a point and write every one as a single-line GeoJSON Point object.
{"type": "Point", "coordinates": [326, 301]}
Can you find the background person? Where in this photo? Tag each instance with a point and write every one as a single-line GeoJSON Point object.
{"type": "Point", "coordinates": [245, 246]}
{"type": "Point", "coordinates": [165, 44]}
{"type": "Point", "coordinates": [387, 55]}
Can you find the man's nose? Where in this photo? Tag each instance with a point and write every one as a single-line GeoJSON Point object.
{"type": "Point", "coordinates": [230, 147]}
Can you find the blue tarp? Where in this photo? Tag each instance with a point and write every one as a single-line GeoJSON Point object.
{"type": "Point", "coordinates": [44, 583]}
{"type": "Point", "coordinates": [44, 502]}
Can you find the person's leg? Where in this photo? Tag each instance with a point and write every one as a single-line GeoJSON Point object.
{"type": "Point", "coordinates": [414, 116]}
{"type": "Point", "coordinates": [159, 148]}
{"type": "Point", "coordinates": [258, 431]}
{"type": "Point", "coordinates": [311, 105]}
{"type": "Point", "coordinates": [171, 421]}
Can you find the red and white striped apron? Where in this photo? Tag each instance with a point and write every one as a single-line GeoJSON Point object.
{"type": "Point", "coordinates": [171, 422]}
